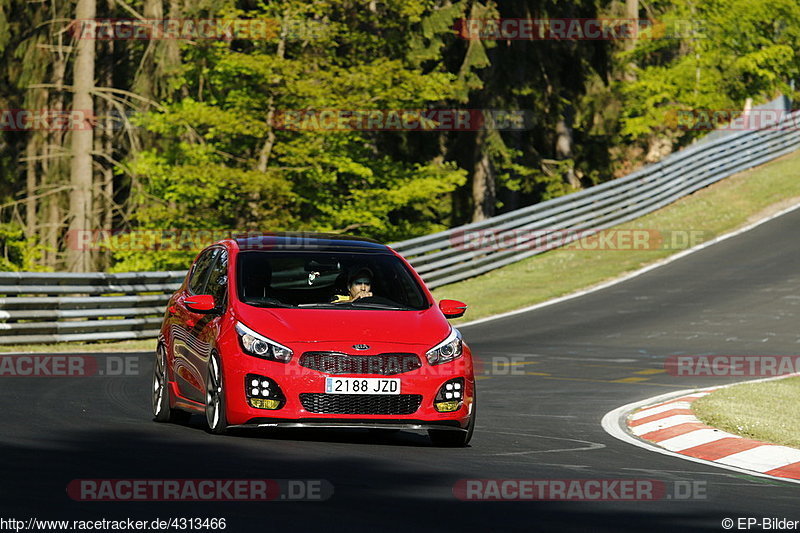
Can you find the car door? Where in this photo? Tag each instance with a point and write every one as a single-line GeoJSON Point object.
{"type": "Point", "coordinates": [190, 353]}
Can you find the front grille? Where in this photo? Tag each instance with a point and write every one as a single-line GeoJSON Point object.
{"type": "Point", "coordinates": [361, 404]}
{"type": "Point", "coordinates": [386, 364]}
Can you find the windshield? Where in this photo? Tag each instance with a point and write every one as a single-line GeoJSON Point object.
{"type": "Point", "coordinates": [327, 280]}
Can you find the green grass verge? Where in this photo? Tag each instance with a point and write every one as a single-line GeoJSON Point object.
{"type": "Point", "coordinates": [714, 210]}
{"type": "Point", "coordinates": [764, 411]}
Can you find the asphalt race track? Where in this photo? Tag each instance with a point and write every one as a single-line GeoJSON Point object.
{"type": "Point", "coordinates": [537, 420]}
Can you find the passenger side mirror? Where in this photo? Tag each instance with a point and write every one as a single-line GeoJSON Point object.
{"type": "Point", "coordinates": [452, 308]}
{"type": "Point", "coordinates": [201, 303]}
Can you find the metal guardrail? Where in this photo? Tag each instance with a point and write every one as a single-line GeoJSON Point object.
{"type": "Point", "coordinates": [34, 308]}
{"type": "Point", "coordinates": [52, 307]}
{"type": "Point", "coordinates": [444, 257]}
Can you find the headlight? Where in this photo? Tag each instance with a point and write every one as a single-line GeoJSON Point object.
{"type": "Point", "coordinates": [260, 346]}
{"type": "Point", "coordinates": [447, 350]}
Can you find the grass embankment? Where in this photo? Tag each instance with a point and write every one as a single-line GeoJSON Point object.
{"type": "Point", "coordinates": [765, 411]}
{"type": "Point", "coordinates": [713, 211]}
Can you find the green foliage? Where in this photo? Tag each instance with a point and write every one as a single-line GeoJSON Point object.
{"type": "Point", "coordinates": [213, 153]}
{"type": "Point", "coordinates": [208, 168]}
{"type": "Point", "coordinates": [16, 252]}
{"type": "Point", "coordinates": [716, 54]}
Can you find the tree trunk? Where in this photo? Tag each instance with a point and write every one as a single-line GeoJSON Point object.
{"type": "Point", "coordinates": [106, 146]}
{"type": "Point", "coordinates": [81, 182]}
{"type": "Point", "coordinates": [631, 13]}
{"type": "Point", "coordinates": [55, 169]}
{"type": "Point", "coordinates": [483, 186]}
{"type": "Point", "coordinates": [31, 185]}
{"type": "Point", "coordinates": [564, 146]}
{"type": "Point", "coordinates": [147, 80]}
{"type": "Point", "coordinates": [269, 142]}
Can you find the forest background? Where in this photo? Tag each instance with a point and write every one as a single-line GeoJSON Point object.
{"type": "Point", "coordinates": [189, 133]}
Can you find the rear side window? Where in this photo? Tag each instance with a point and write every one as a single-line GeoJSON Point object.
{"type": "Point", "coordinates": [201, 269]}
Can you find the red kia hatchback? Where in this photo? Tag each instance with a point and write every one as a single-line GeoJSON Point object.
{"type": "Point", "coordinates": [313, 330]}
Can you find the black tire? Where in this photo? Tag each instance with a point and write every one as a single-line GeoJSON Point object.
{"type": "Point", "coordinates": [160, 397]}
{"type": "Point", "coordinates": [455, 439]}
{"type": "Point", "coordinates": [215, 397]}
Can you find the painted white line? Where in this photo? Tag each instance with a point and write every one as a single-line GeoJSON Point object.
{"type": "Point", "coordinates": [664, 423]}
{"type": "Point", "coordinates": [644, 413]}
{"type": "Point", "coordinates": [692, 439]}
{"type": "Point", "coordinates": [763, 458]}
{"type": "Point", "coordinates": [636, 273]}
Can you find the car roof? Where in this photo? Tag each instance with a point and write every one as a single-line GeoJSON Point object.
{"type": "Point", "coordinates": [297, 241]}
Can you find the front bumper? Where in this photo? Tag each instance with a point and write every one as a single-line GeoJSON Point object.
{"type": "Point", "coordinates": [295, 380]}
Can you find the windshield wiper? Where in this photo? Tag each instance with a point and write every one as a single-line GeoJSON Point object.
{"type": "Point", "coordinates": [378, 305]}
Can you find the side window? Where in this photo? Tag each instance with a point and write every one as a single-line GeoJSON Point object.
{"type": "Point", "coordinates": [200, 273]}
{"type": "Point", "coordinates": [218, 279]}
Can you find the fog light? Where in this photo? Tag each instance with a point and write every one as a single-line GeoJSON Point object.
{"type": "Point", "coordinates": [265, 392]}
{"type": "Point", "coordinates": [446, 407]}
{"type": "Point", "coordinates": [449, 398]}
{"type": "Point", "coordinates": [263, 403]}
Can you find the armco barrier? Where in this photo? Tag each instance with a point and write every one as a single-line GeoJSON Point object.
{"type": "Point", "coordinates": [37, 307]}
{"type": "Point", "coordinates": [602, 206]}
{"type": "Point", "coordinates": [51, 307]}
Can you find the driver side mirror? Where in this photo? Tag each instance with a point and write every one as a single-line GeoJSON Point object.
{"type": "Point", "coordinates": [452, 308]}
{"type": "Point", "coordinates": [202, 304]}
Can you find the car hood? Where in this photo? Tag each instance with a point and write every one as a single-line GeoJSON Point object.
{"type": "Point", "coordinates": [422, 328]}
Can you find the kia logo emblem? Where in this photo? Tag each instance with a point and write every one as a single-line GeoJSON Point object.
{"type": "Point", "coordinates": [361, 346]}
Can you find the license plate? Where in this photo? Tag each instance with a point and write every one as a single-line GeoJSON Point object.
{"type": "Point", "coordinates": [362, 386]}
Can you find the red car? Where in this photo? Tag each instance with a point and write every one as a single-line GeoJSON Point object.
{"type": "Point", "coordinates": [313, 330]}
